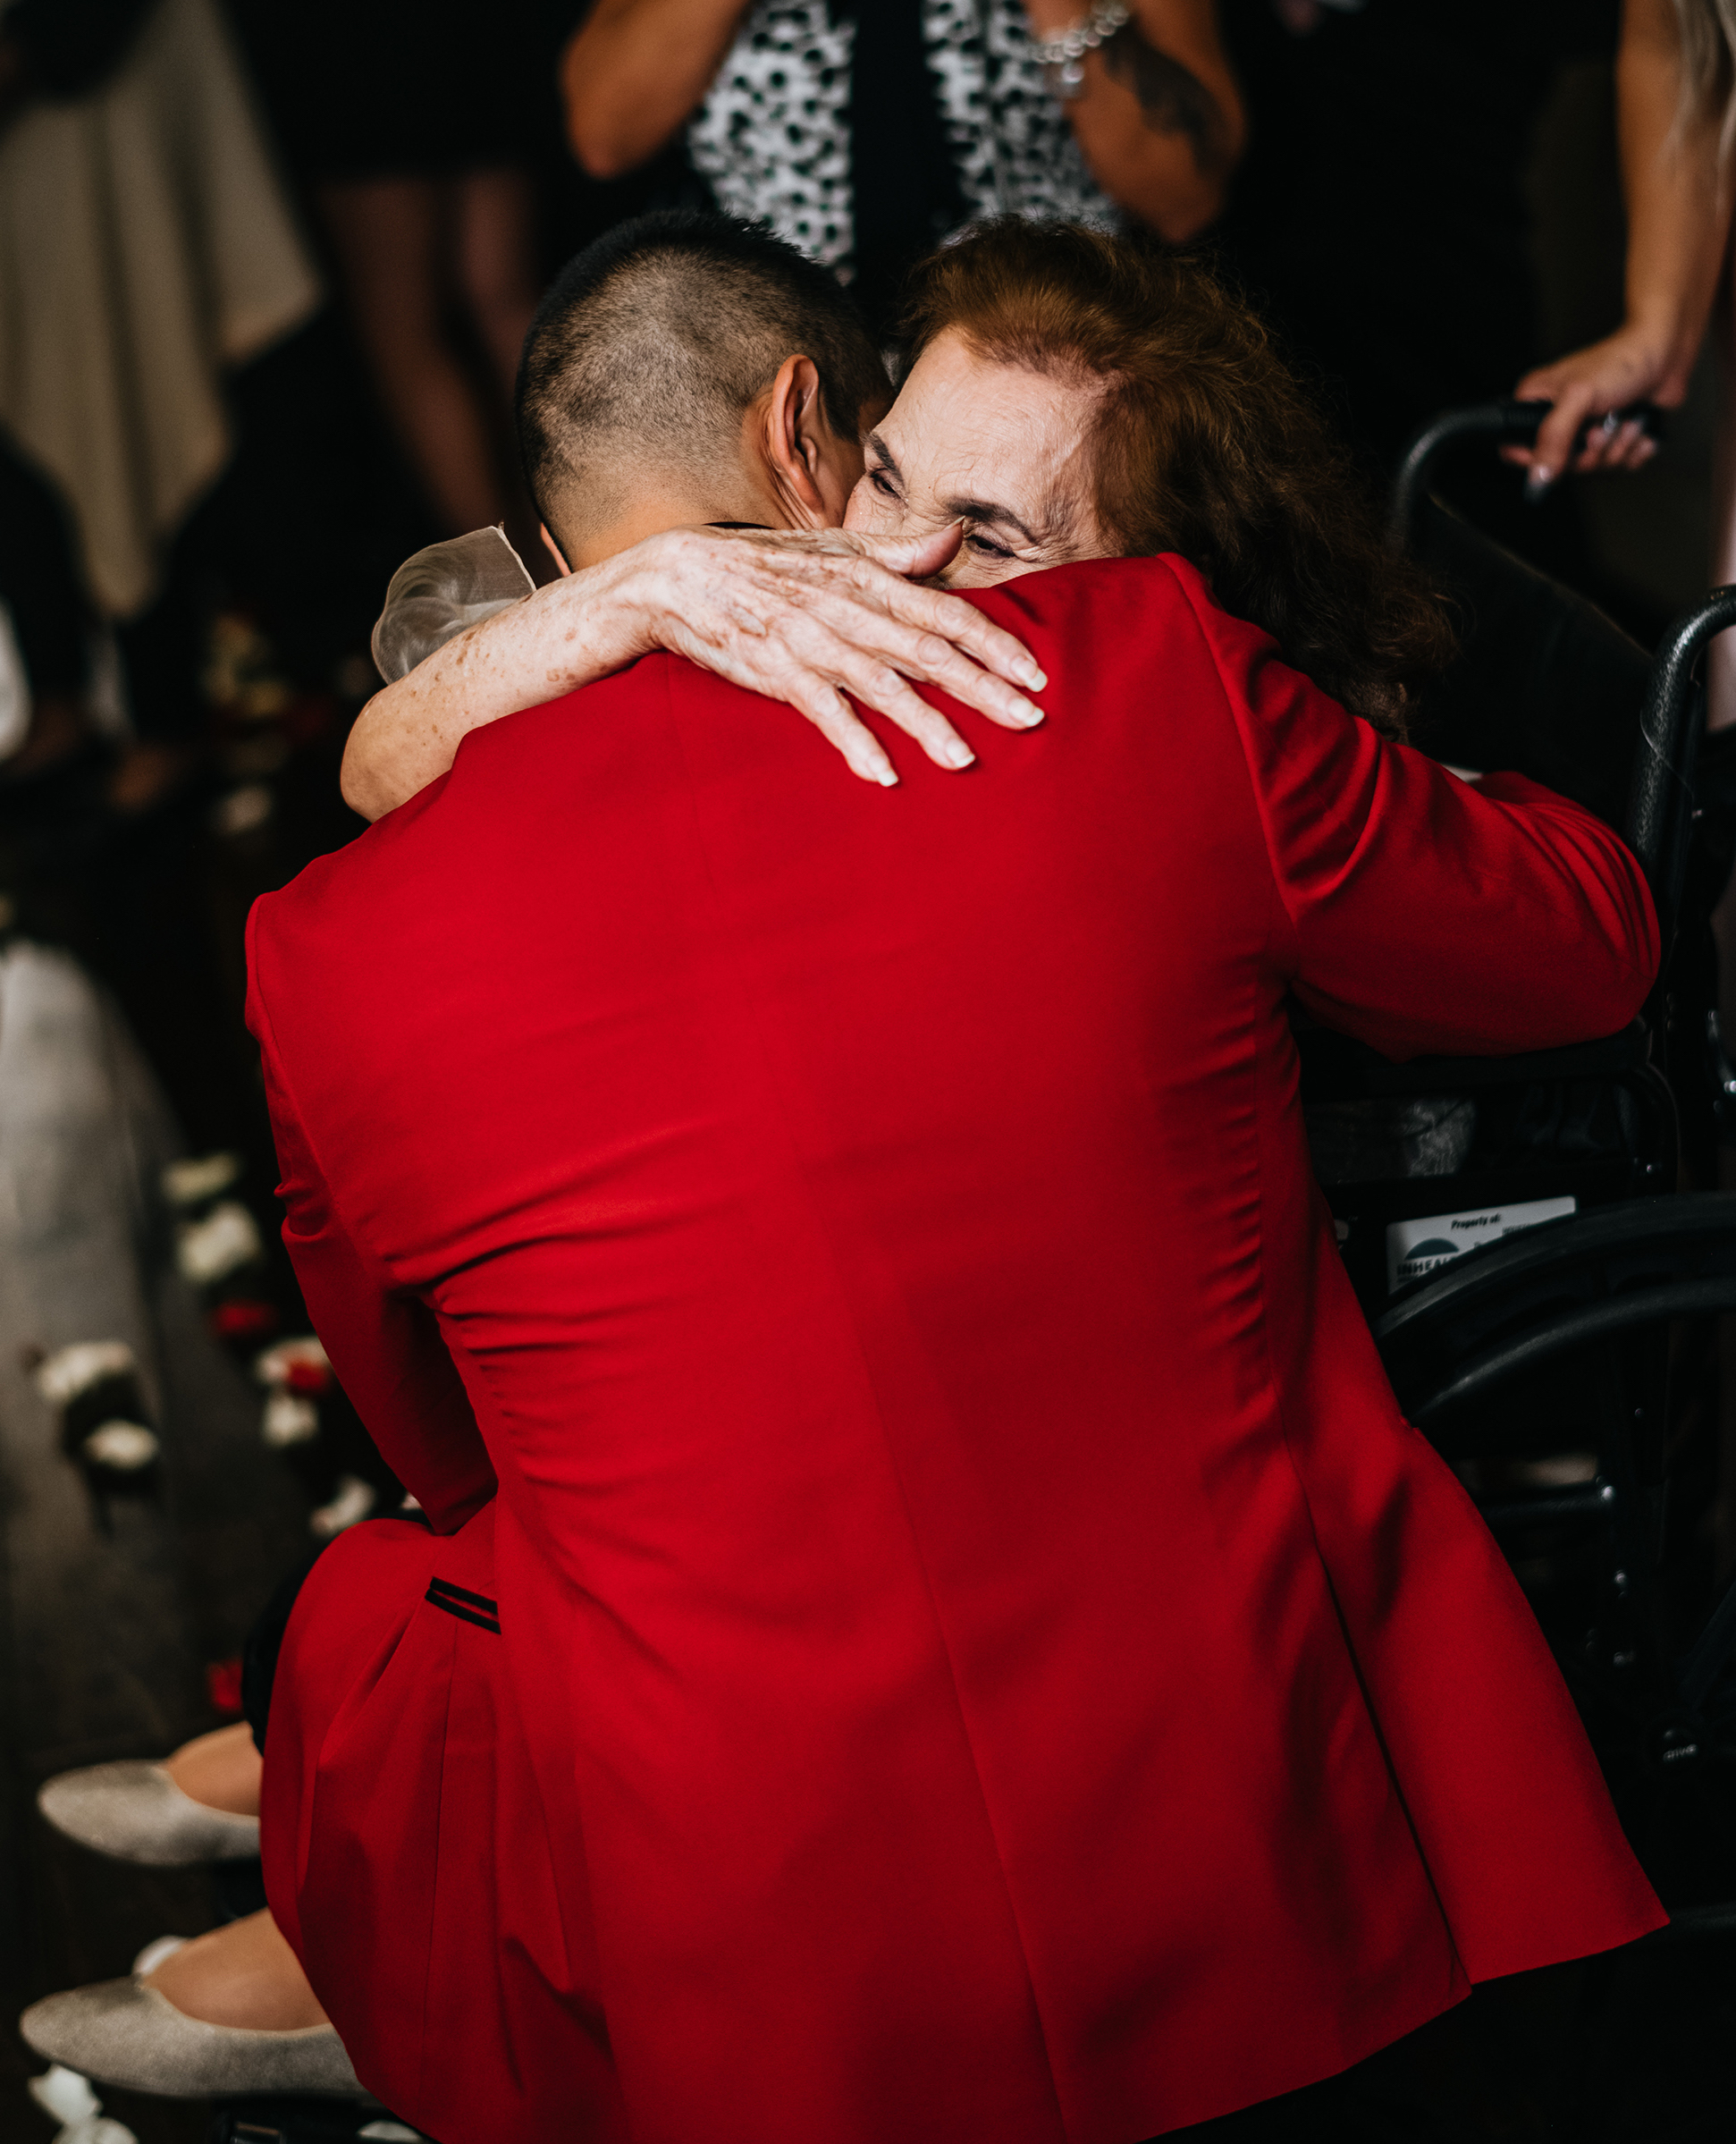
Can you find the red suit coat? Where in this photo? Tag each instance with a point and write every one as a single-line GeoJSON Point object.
{"type": "Point", "coordinates": [964, 1645]}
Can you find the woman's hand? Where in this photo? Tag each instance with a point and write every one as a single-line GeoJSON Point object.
{"type": "Point", "coordinates": [801, 617]}
{"type": "Point", "coordinates": [1630, 365]}
{"type": "Point", "coordinates": [807, 616]}
{"type": "Point", "coordinates": [1676, 187]}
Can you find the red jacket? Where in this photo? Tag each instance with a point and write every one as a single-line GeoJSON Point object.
{"type": "Point", "coordinates": [979, 1654]}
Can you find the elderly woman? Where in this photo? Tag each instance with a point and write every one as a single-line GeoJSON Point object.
{"type": "Point", "coordinates": [1040, 1690]}
{"type": "Point", "coordinates": [1070, 395]}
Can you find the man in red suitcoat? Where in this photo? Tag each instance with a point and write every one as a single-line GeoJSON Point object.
{"type": "Point", "coordinates": [933, 1627]}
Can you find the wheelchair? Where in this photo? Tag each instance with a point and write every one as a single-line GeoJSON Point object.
{"type": "Point", "coordinates": [1423, 1159]}
{"type": "Point", "coordinates": [1512, 1227]}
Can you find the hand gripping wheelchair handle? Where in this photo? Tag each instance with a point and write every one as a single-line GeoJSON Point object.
{"type": "Point", "coordinates": [1503, 423]}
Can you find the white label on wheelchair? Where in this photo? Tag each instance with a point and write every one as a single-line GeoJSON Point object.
{"type": "Point", "coordinates": [1415, 1249]}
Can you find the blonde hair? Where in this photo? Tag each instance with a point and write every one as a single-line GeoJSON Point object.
{"type": "Point", "coordinates": [1707, 30]}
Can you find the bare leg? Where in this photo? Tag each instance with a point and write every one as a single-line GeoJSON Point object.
{"type": "Point", "coordinates": [221, 1770]}
{"type": "Point", "coordinates": [245, 1974]}
{"type": "Point", "coordinates": [392, 238]}
{"type": "Point", "coordinates": [496, 212]}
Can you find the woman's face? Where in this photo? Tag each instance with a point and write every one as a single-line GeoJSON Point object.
{"type": "Point", "coordinates": [1005, 450]}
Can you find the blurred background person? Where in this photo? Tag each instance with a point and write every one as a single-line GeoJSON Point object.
{"type": "Point", "coordinates": [1676, 123]}
{"type": "Point", "coordinates": [1381, 218]}
{"type": "Point", "coordinates": [866, 133]}
{"type": "Point", "coordinates": [1671, 80]}
{"type": "Point", "coordinates": [414, 127]}
{"type": "Point", "coordinates": [149, 255]}
{"type": "Point", "coordinates": [146, 249]}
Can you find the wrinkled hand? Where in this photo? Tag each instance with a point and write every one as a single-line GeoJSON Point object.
{"type": "Point", "coordinates": [806, 617]}
{"type": "Point", "coordinates": [1627, 367]}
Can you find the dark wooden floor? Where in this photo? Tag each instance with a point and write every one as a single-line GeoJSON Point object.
{"type": "Point", "coordinates": [105, 1636]}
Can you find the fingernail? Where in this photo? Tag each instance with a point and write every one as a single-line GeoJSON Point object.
{"type": "Point", "coordinates": [1025, 714]}
{"type": "Point", "coordinates": [1536, 482]}
{"type": "Point", "coordinates": [1028, 674]}
{"type": "Point", "coordinates": [957, 752]}
{"type": "Point", "coordinates": [886, 778]}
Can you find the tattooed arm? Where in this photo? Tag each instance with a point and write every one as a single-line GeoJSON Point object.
{"type": "Point", "coordinates": [1159, 118]}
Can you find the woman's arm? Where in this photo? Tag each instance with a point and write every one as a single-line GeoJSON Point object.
{"type": "Point", "coordinates": [633, 73]}
{"type": "Point", "coordinates": [800, 617]}
{"type": "Point", "coordinates": [1677, 189]}
{"type": "Point", "coordinates": [1158, 118]}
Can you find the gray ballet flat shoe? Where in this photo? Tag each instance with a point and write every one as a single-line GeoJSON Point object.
{"type": "Point", "coordinates": [134, 1812]}
{"type": "Point", "coordinates": [122, 2033]}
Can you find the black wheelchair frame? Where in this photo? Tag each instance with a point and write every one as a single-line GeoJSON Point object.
{"type": "Point", "coordinates": [1545, 1100]}
{"type": "Point", "coordinates": [1561, 1331]}
{"type": "Point", "coordinates": [1565, 1335]}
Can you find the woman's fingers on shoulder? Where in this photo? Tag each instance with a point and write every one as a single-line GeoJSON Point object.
{"type": "Point", "coordinates": [919, 649]}
{"type": "Point", "coordinates": [831, 714]}
{"type": "Point", "coordinates": [933, 657]}
{"type": "Point", "coordinates": [964, 625]}
{"type": "Point", "coordinates": [878, 685]}
{"type": "Point", "coordinates": [945, 617]}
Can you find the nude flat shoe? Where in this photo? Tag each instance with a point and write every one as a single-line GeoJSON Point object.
{"type": "Point", "coordinates": [122, 2033]}
{"type": "Point", "coordinates": [135, 1812]}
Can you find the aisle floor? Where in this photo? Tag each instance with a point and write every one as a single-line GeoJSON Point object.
{"type": "Point", "coordinates": [105, 1636]}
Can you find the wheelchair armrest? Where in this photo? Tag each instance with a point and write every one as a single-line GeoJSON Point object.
{"type": "Point", "coordinates": [1336, 1068]}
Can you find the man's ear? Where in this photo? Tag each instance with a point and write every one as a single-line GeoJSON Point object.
{"type": "Point", "coordinates": [811, 475]}
{"type": "Point", "coordinates": [555, 552]}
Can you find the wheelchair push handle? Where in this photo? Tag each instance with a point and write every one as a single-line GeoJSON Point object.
{"type": "Point", "coordinates": [1520, 421]}
{"type": "Point", "coordinates": [1661, 794]}
{"type": "Point", "coordinates": [1503, 424]}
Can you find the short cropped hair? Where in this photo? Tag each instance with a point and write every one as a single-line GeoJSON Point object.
{"type": "Point", "coordinates": [653, 343]}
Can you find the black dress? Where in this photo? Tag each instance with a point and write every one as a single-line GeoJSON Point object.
{"type": "Point", "coordinates": [1380, 221]}
{"type": "Point", "coordinates": [404, 89]}
{"type": "Point", "coordinates": [1380, 211]}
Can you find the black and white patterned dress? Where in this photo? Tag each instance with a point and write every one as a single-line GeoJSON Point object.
{"type": "Point", "coordinates": [772, 137]}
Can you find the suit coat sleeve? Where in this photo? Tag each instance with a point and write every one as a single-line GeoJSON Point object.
{"type": "Point", "coordinates": [384, 1342]}
{"type": "Point", "coordinates": [1417, 911]}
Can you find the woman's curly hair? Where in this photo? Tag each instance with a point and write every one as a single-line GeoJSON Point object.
{"type": "Point", "coordinates": [1205, 445]}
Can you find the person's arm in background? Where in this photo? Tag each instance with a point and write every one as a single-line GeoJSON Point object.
{"type": "Point", "coordinates": [1676, 185]}
{"type": "Point", "coordinates": [801, 616]}
{"type": "Point", "coordinates": [636, 71]}
{"type": "Point", "coordinates": [1159, 116]}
